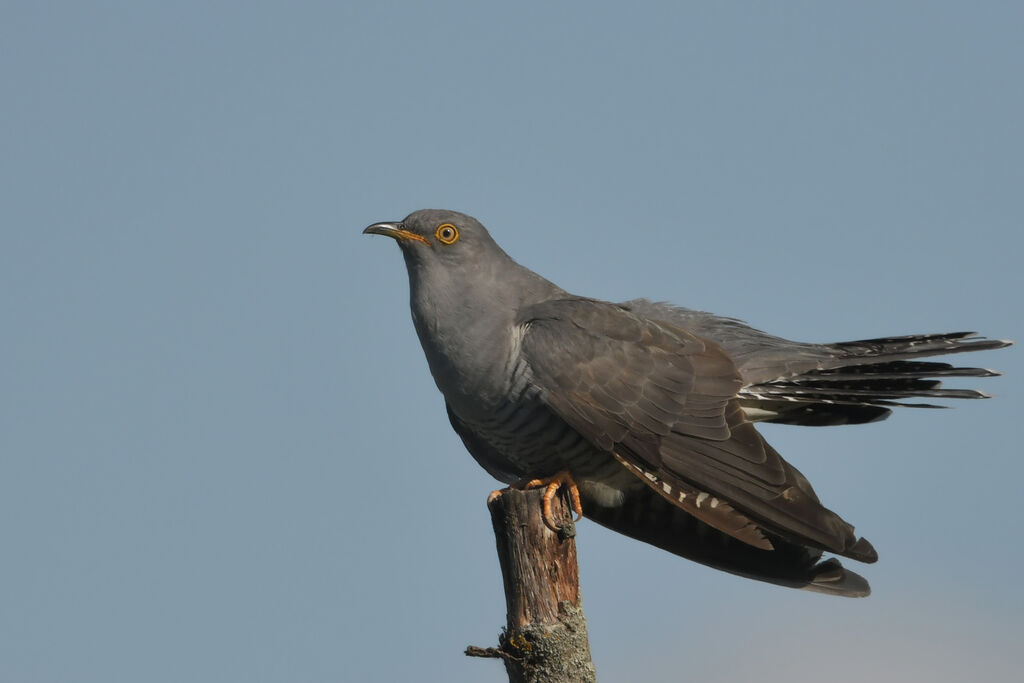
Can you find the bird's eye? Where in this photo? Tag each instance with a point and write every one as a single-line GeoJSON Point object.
{"type": "Point", "coordinates": [447, 233]}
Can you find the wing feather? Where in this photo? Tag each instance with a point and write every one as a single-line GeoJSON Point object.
{"type": "Point", "coordinates": [666, 401]}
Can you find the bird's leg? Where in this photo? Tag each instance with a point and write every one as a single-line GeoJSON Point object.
{"type": "Point", "coordinates": [552, 484]}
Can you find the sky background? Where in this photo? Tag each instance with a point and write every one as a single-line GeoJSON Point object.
{"type": "Point", "coordinates": [222, 457]}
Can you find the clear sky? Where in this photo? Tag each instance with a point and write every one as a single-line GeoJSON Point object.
{"type": "Point", "coordinates": [222, 457]}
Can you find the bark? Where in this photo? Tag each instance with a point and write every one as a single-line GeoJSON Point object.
{"type": "Point", "coordinates": [545, 638]}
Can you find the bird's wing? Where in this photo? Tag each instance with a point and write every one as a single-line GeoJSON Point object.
{"type": "Point", "coordinates": [664, 402]}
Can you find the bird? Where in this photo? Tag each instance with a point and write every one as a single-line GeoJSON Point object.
{"type": "Point", "coordinates": [645, 413]}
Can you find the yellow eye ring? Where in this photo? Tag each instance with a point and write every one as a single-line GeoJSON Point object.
{"type": "Point", "coordinates": [447, 233]}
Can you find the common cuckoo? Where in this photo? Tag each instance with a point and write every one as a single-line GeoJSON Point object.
{"type": "Point", "coordinates": [645, 411]}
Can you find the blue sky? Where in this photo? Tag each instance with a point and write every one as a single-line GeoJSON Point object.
{"type": "Point", "coordinates": [222, 457]}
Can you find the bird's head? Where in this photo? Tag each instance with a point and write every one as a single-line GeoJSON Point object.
{"type": "Point", "coordinates": [434, 238]}
{"type": "Point", "coordinates": [456, 270]}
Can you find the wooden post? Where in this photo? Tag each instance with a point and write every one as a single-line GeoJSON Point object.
{"type": "Point", "coordinates": [545, 638]}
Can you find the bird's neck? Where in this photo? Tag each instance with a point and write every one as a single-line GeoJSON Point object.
{"type": "Point", "coordinates": [466, 324]}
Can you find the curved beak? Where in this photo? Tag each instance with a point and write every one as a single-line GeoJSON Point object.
{"type": "Point", "coordinates": [389, 229]}
{"type": "Point", "coordinates": [394, 230]}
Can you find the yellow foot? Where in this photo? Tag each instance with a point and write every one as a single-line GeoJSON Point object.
{"type": "Point", "coordinates": [552, 484]}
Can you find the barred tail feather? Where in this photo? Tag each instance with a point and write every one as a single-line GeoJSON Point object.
{"type": "Point", "coordinates": [865, 379]}
{"type": "Point", "coordinates": [918, 345]}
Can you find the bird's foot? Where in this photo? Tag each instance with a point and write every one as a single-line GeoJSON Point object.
{"type": "Point", "coordinates": [551, 486]}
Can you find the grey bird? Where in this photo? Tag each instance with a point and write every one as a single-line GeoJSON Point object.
{"type": "Point", "coordinates": [645, 411]}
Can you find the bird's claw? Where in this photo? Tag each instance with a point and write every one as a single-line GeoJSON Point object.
{"type": "Point", "coordinates": [551, 485]}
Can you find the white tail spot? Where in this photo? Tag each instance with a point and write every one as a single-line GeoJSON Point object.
{"type": "Point", "coordinates": [701, 497]}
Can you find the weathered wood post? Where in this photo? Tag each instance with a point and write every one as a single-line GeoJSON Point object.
{"type": "Point", "coordinates": [545, 638]}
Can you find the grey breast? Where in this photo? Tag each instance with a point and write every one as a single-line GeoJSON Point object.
{"type": "Point", "coordinates": [525, 436]}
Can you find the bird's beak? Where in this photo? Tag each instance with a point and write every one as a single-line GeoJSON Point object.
{"type": "Point", "coordinates": [394, 230]}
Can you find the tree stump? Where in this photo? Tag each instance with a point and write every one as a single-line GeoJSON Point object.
{"type": "Point", "coordinates": [545, 638]}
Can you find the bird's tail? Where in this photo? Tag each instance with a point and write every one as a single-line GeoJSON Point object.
{"type": "Point", "coordinates": [865, 379]}
{"type": "Point", "coordinates": [648, 517]}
